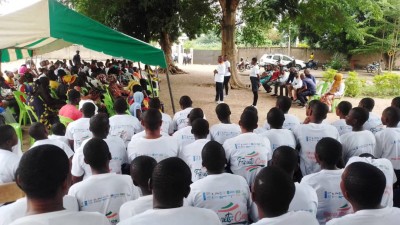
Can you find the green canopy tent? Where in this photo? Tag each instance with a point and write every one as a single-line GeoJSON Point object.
{"type": "Point", "coordinates": [48, 25]}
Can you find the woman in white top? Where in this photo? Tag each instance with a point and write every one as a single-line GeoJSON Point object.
{"type": "Point", "coordinates": [336, 91]}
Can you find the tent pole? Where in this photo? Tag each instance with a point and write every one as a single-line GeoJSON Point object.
{"type": "Point", "coordinates": [170, 92]}
{"type": "Point", "coordinates": [0, 61]}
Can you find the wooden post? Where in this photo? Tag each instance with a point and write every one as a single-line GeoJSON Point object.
{"type": "Point", "coordinates": [170, 92]}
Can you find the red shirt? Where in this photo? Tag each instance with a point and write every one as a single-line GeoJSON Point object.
{"type": "Point", "coordinates": [70, 111]}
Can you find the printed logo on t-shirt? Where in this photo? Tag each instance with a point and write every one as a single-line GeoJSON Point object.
{"type": "Point", "coordinates": [112, 217]}
{"type": "Point", "coordinates": [249, 145]}
{"type": "Point", "coordinates": [230, 214]}
{"type": "Point", "coordinates": [333, 195]}
{"type": "Point", "coordinates": [341, 211]}
{"type": "Point", "coordinates": [199, 173]}
{"type": "Point", "coordinates": [226, 133]}
{"type": "Point", "coordinates": [313, 139]}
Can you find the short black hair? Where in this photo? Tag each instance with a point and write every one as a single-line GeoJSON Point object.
{"type": "Point", "coordinates": [99, 124]}
{"type": "Point", "coordinates": [200, 127]}
{"type": "Point", "coordinates": [284, 103]}
{"type": "Point", "coordinates": [171, 180]}
{"type": "Point", "coordinates": [96, 153]}
{"type": "Point", "coordinates": [251, 108]}
{"type": "Point", "coordinates": [141, 169]}
{"type": "Point", "coordinates": [213, 156]}
{"type": "Point", "coordinates": [152, 119]}
{"type": "Point", "coordinates": [58, 129]}
{"type": "Point", "coordinates": [155, 103]}
{"type": "Point", "coordinates": [137, 88]}
{"type": "Point", "coordinates": [396, 102]}
{"type": "Point", "coordinates": [37, 131]}
{"type": "Point", "coordinates": [88, 109]}
{"type": "Point", "coordinates": [312, 103]}
{"type": "Point", "coordinates": [319, 110]}
{"type": "Point", "coordinates": [286, 158]}
{"type": "Point", "coordinates": [364, 183]}
{"type": "Point", "coordinates": [329, 150]}
{"type": "Point", "coordinates": [6, 133]}
{"type": "Point", "coordinates": [344, 107]}
{"type": "Point", "coordinates": [275, 117]}
{"type": "Point", "coordinates": [392, 114]}
{"type": "Point", "coordinates": [273, 190]}
{"type": "Point", "coordinates": [196, 113]}
{"type": "Point", "coordinates": [185, 102]}
{"type": "Point", "coordinates": [249, 119]}
{"type": "Point", "coordinates": [223, 111]}
{"type": "Point", "coordinates": [73, 95]}
{"type": "Point", "coordinates": [120, 105]}
{"type": "Point", "coordinates": [367, 103]}
{"type": "Point", "coordinates": [42, 171]}
{"type": "Point", "coordinates": [361, 114]}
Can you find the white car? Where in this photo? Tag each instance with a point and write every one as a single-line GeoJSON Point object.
{"type": "Point", "coordinates": [284, 60]}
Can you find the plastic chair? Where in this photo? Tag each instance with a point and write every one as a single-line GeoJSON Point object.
{"type": "Point", "coordinates": [109, 106]}
{"type": "Point", "coordinates": [65, 120]}
{"type": "Point", "coordinates": [322, 87]}
{"type": "Point", "coordinates": [18, 130]}
{"type": "Point", "coordinates": [23, 114]}
{"type": "Point", "coordinates": [336, 102]}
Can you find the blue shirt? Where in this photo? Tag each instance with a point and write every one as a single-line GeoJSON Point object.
{"type": "Point", "coordinates": [307, 82]}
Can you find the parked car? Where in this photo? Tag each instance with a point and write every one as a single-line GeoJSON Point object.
{"type": "Point", "coordinates": [284, 60]}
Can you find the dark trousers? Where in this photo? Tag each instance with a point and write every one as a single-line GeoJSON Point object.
{"type": "Point", "coordinates": [303, 96]}
{"type": "Point", "coordinates": [255, 97]}
{"type": "Point", "coordinates": [226, 84]}
{"type": "Point", "coordinates": [282, 87]}
{"type": "Point", "coordinates": [219, 91]}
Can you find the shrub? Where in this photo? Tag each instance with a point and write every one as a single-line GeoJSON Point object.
{"type": "Point", "coordinates": [328, 75]}
{"type": "Point", "coordinates": [387, 84]}
{"type": "Point", "coordinates": [353, 84]}
{"type": "Point", "coordinates": [338, 62]}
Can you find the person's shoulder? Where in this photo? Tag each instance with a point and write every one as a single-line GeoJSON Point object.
{"type": "Point", "coordinates": [166, 116]}
{"type": "Point", "coordinates": [305, 217]}
{"type": "Point", "coordinates": [311, 178]}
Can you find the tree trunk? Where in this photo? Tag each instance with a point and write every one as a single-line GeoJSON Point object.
{"type": "Point", "coordinates": [166, 45]}
{"type": "Point", "coordinates": [228, 27]}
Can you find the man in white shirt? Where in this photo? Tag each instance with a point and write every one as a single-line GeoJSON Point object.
{"type": "Point", "coordinates": [191, 153]}
{"type": "Point", "coordinates": [170, 183]}
{"type": "Point", "coordinates": [247, 152]}
{"type": "Point", "coordinates": [363, 186]}
{"type": "Point", "coordinates": [123, 125]}
{"type": "Point", "coordinates": [308, 135]}
{"type": "Point", "coordinates": [272, 207]}
{"type": "Point", "coordinates": [39, 132]}
{"type": "Point", "coordinates": [255, 80]}
{"type": "Point", "coordinates": [331, 203]}
{"type": "Point", "coordinates": [224, 130]}
{"type": "Point", "coordinates": [291, 121]}
{"type": "Point", "coordinates": [342, 110]}
{"type": "Point", "coordinates": [141, 169]}
{"type": "Point", "coordinates": [167, 125]}
{"type": "Point", "coordinates": [153, 144]}
{"type": "Point", "coordinates": [219, 74]}
{"type": "Point", "coordinates": [226, 194]}
{"type": "Point", "coordinates": [8, 160]}
{"type": "Point", "coordinates": [78, 130]}
{"type": "Point", "coordinates": [227, 75]}
{"type": "Point", "coordinates": [58, 133]}
{"type": "Point", "coordinates": [278, 136]}
{"type": "Point", "coordinates": [100, 127]}
{"type": "Point", "coordinates": [358, 141]}
{"type": "Point", "coordinates": [180, 118]}
{"type": "Point", "coordinates": [97, 156]}
{"type": "Point", "coordinates": [43, 174]}
{"type": "Point", "coordinates": [374, 123]}
{"type": "Point", "coordinates": [185, 136]}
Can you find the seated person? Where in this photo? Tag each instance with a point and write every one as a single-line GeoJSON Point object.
{"type": "Point", "coordinates": [342, 110]}
{"type": "Point", "coordinates": [308, 89]}
{"type": "Point", "coordinates": [8, 160]}
{"type": "Point", "coordinates": [58, 133]}
{"type": "Point", "coordinates": [335, 91]}
{"type": "Point", "coordinates": [225, 129]}
{"type": "Point", "coordinates": [294, 86]}
{"type": "Point", "coordinates": [70, 110]}
{"type": "Point", "coordinates": [374, 122]}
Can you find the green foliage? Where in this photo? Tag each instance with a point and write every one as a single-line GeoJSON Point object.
{"type": "Point", "coordinates": [253, 36]}
{"type": "Point", "coordinates": [353, 84]}
{"type": "Point", "coordinates": [338, 62]}
{"type": "Point", "coordinates": [208, 41]}
{"type": "Point", "coordinates": [328, 75]}
{"type": "Point", "coordinates": [387, 84]}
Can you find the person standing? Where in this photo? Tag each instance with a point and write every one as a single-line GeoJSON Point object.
{"type": "Point", "coordinates": [77, 59]}
{"type": "Point", "coordinates": [219, 74]}
{"type": "Point", "coordinates": [255, 80]}
{"type": "Point", "coordinates": [227, 75]}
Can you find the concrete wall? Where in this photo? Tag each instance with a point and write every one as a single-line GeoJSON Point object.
{"type": "Point", "coordinates": [205, 56]}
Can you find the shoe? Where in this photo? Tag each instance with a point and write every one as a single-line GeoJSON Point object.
{"type": "Point", "coordinates": [220, 102]}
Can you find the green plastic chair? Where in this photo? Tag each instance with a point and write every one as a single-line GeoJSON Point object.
{"type": "Point", "coordinates": [23, 114]}
{"type": "Point", "coordinates": [18, 130]}
{"type": "Point", "coordinates": [322, 87]}
{"type": "Point", "coordinates": [65, 120]}
{"type": "Point", "coordinates": [53, 94]}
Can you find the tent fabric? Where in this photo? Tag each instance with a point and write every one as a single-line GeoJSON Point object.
{"type": "Point", "coordinates": [8, 55]}
{"type": "Point", "coordinates": [48, 26]}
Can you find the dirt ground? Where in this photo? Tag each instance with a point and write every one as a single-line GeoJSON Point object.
{"type": "Point", "coordinates": [199, 85]}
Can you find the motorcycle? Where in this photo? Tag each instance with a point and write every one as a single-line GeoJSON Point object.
{"type": "Point", "coordinates": [374, 67]}
{"type": "Point", "coordinates": [243, 65]}
{"type": "Point", "coordinates": [312, 65]}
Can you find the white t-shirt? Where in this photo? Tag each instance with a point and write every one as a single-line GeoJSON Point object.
{"type": "Point", "coordinates": [289, 218]}
{"type": "Point", "coordinates": [228, 195]}
{"type": "Point", "coordinates": [356, 143]}
{"type": "Point", "coordinates": [78, 131]}
{"type": "Point", "coordinates": [60, 138]}
{"type": "Point", "coordinates": [222, 132]}
{"type": "Point", "coordinates": [388, 145]}
{"type": "Point", "coordinates": [167, 125]}
{"type": "Point", "coordinates": [174, 216]}
{"type": "Point", "coordinates": [191, 154]}
{"type": "Point", "coordinates": [124, 126]}
{"type": "Point", "coordinates": [181, 118]}
{"type": "Point", "coordinates": [219, 76]}
{"type": "Point", "coordinates": [308, 136]}
{"type": "Point", "coordinates": [297, 83]}
{"type": "Point", "coordinates": [255, 70]}
{"type": "Point", "coordinates": [374, 123]}
{"type": "Point", "coordinates": [305, 199]}
{"type": "Point", "coordinates": [9, 163]}
{"type": "Point", "coordinates": [63, 217]}
{"type": "Point", "coordinates": [246, 153]}
{"type": "Point", "coordinates": [279, 137]}
{"type": "Point", "coordinates": [118, 157]}
{"type": "Point", "coordinates": [259, 130]}
{"type": "Point", "coordinates": [104, 193]}
{"type": "Point", "coordinates": [291, 121]}
{"type": "Point", "coordinates": [68, 151]}
{"type": "Point", "coordinates": [135, 207]}
{"type": "Point", "coordinates": [160, 148]}
{"type": "Point", "coordinates": [227, 65]}
{"type": "Point", "coordinates": [184, 137]}
{"type": "Point", "coordinates": [384, 216]}
{"type": "Point", "coordinates": [386, 167]}
{"type": "Point", "coordinates": [341, 126]}
{"type": "Point", "coordinates": [331, 202]}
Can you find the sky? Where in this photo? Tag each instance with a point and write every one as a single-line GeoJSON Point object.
{"type": "Point", "coordinates": [9, 6]}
